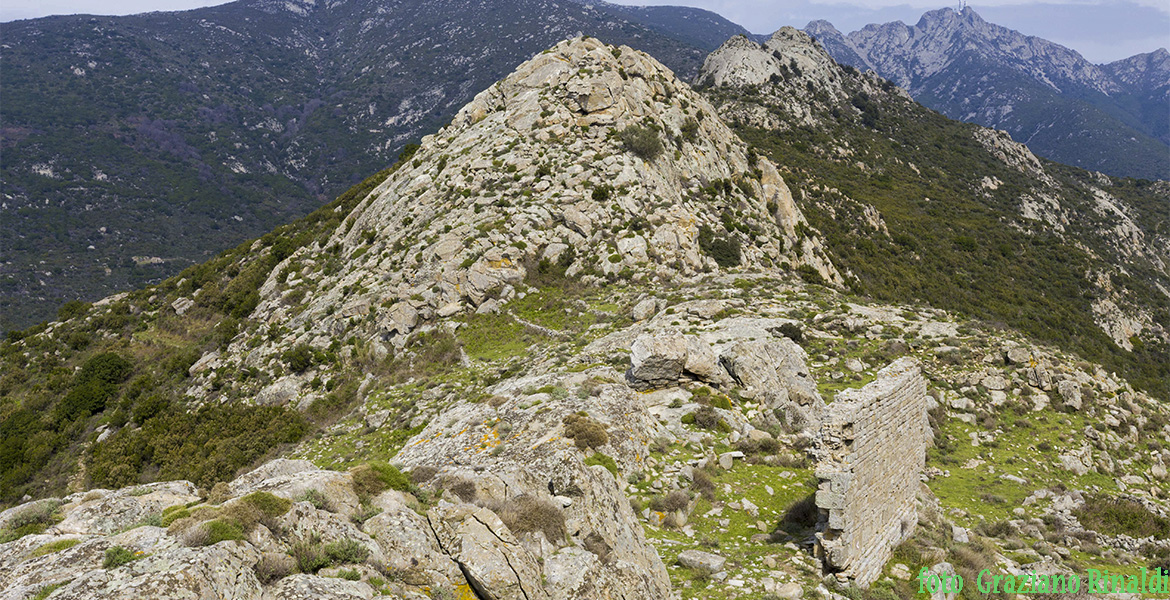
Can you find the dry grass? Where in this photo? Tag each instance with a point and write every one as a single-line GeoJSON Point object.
{"type": "Point", "coordinates": [528, 514]}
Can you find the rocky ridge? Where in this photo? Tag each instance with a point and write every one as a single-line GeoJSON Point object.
{"type": "Point", "coordinates": [791, 82]}
{"type": "Point", "coordinates": [639, 430]}
{"type": "Point", "coordinates": [535, 169]}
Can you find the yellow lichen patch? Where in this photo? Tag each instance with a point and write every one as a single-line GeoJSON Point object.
{"type": "Point", "coordinates": [500, 264]}
{"type": "Point", "coordinates": [491, 439]}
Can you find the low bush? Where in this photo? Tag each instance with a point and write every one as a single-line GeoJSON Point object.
{"type": "Point", "coordinates": [347, 551]}
{"type": "Point", "coordinates": [1118, 516]}
{"type": "Point", "coordinates": [118, 556]}
{"type": "Point", "coordinates": [32, 520]}
{"type": "Point", "coordinates": [676, 500]}
{"type": "Point", "coordinates": [316, 498]}
{"type": "Point", "coordinates": [269, 504]}
{"type": "Point", "coordinates": [309, 555]}
{"type": "Point", "coordinates": [642, 141]}
{"type": "Point", "coordinates": [703, 484]}
{"type": "Point", "coordinates": [585, 432]}
{"type": "Point", "coordinates": [273, 567]}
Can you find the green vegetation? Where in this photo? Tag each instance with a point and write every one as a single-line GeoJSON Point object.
{"type": "Point", "coordinates": [48, 589]}
{"type": "Point", "coordinates": [604, 460]}
{"type": "Point", "coordinates": [116, 366]}
{"type": "Point", "coordinates": [955, 243]}
{"type": "Point", "coordinates": [118, 556]}
{"type": "Point", "coordinates": [642, 141]}
{"type": "Point", "coordinates": [725, 250]}
{"type": "Point", "coordinates": [374, 477]}
{"type": "Point", "coordinates": [32, 520]}
{"type": "Point", "coordinates": [56, 546]}
{"type": "Point", "coordinates": [1119, 516]}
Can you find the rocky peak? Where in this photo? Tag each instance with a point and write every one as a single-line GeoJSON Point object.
{"type": "Point", "coordinates": [790, 57]}
{"type": "Point", "coordinates": [1146, 72]}
{"type": "Point", "coordinates": [912, 54]}
{"type": "Point", "coordinates": [590, 159]}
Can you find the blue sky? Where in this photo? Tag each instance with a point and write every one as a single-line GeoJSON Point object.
{"type": "Point", "coordinates": [1101, 30]}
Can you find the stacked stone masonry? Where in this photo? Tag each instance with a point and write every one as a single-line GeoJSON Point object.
{"type": "Point", "coordinates": [871, 449]}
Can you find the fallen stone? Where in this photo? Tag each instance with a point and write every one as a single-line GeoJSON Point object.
{"type": "Point", "coordinates": [699, 560]}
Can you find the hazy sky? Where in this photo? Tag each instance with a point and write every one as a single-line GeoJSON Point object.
{"type": "Point", "coordinates": [1101, 30]}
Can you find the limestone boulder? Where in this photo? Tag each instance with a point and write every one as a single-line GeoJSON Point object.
{"type": "Point", "coordinates": [703, 561]}
{"type": "Point", "coordinates": [111, 512]}
{"type": "Point", "coordinates": [658, 359]}
{"type": "Point", "coordinates": [223, 570]}
{"type": "Point", "coordinates": [776, 371]}
{"type": "Point", "coordinates": [494, 562]}
{"type": "Point", "coordinates": [294, 479]}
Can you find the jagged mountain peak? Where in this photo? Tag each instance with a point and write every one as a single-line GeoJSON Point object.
{"type": "Point", "coordinates": [591, 159]}
{"type": "Point", "coordinates": [790, 58]}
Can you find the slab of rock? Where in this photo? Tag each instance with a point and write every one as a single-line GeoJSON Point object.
{"type": "Point", "coordinates": [1070, 392]}
{"type": "Point", "coordinates": [776, 371]}
{"type": "Point", "coordinates": [644, 309]}
{"type": "Point", "coordinates": [123, 508]}
{"type": "Point", "coordinates": [702, 561]}
{"type": "Point", "coordinates": [223, 570]}
{"type": "Point", "coordinates": [658, 360]}
{"type": "Point", "coordinates": [311, 587]}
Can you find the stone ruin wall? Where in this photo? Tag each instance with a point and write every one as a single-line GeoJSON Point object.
{"type": "Point", "coordinates": [871, 450]}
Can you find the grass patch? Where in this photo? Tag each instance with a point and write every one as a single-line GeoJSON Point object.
{"type": "Point", "coordinates": [56, 546]}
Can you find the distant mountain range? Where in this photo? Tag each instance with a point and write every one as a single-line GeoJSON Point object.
{"type": "Point", "coordinates": [1112, 118]}
{"type": "Point", "coordinates": [136, 146]}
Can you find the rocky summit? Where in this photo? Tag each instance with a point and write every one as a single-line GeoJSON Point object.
{"type": "Point", "coordinates": [1046, 95]}
{"type": "Point", "coordinates": [596, 338]}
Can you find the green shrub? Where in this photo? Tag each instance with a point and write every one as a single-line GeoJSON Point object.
{"type": "Point", "coordinates": [316, 498]}
{"type": "Point", "coordinates": [642, 141]}
{"type": "Point", "coordinates": [48, 589]}
{"type": "Point", "coordinates": [309, 555]}
{"type": "Point", "coordinates": [349, 574]}
{"type": "Point", "coordinates": [726, 250]}
{"type": "Point", "coordinates": [603, 460]}
{"type": "Point", "coordinates": [221, 530]}
{"type": "Point", "coordinates": [118, 556]}
{"type": "Point", "coordinates": [792, 331]}
{"type": "Point", "coordinates": [106, 367]}
{"type": "Point", "coordinates": [30, 521]}
{"type": "Point", "coordinates": [392, 477]}
{"type": "Point", "coordinates": [347, 551]}
{"type": "Point", "coordinates": [71, 309]}
{"type": "Point", "coordinates": [299, 359]}
{"type": "Point", "coordinates": [268, 503]}
{"type": "Point", "coordinates": [173, 515]}
{"type": "Point", "coordinates": [585, 432]}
